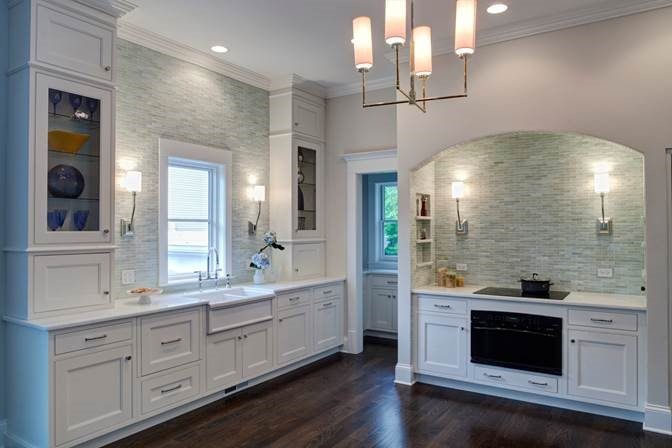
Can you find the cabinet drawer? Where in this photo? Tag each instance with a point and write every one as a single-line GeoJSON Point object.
{"type": "Point", "coordinates": [78, 282]}
{"type": "Point", "coordinates": [324, 292]}
{"type": "Point", "coordinates": [439, 305]}
{"type": "Point", "coordinates": [93, 337]}
{"type": "Point", "coordinates": [170, 388]}
{"type": "Point", "coordinates": [295, 298]}
{"type": "Point", "coordinates": [383, 281]}
{"type": "Point", "coordinates": [169, 340]}
{"type": "Point", "coordinates": [74, 44]}
{"type": "Point", "coordinates": [517, 379]}
{"type": "Point", "coordinates": [603, 319]}
{"type": "Point", "coordinates": [222, 319]}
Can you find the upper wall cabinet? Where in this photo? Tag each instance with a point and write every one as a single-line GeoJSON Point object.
{"type": "Point", "coordinates": [74, 44]}
{"type": "Point", "coordinates": [308, 118]}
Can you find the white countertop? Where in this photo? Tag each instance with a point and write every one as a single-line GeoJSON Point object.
{"type": "Point", "coordinates": [588, 299]}
{"type": "Point", "coordinates": [128, 308]}
{"type": "Point", "coordinates": [380, 272]}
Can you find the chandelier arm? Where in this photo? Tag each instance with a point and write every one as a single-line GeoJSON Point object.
{"type": "Point", "coordinates": [449, 97]}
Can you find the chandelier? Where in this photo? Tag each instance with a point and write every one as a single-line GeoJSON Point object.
{"type": "Point", "coordinates": [420, 60]}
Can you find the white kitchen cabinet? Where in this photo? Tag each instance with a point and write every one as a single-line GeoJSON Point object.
{"type": "Point", "coordinates": [383, 306]}
{"type": "Point", "coordinates": [257, 349]}
{"type": "Point", "coordinates": [308, 118]}
{"type": "Point", "coordinates": [603, 366]}
{"type": "Point", "coordinates": [294, 334]}
{"type": "Point", "coordinates": [328, 326]}
{"type": "Point", "coordinates": [74, 43]}
{"type": "Point", "coordinates": [169, 340]}
{"type": "Point", "coordinates": [224, 359]}
{"type": "Point", "coordinates": [93, 392]}
{"type": "Point", "coordinates": [442, 344]}
{"type": "Point", "coordinates": [170, 388]}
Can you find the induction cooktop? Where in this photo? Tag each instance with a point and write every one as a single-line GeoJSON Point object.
{"type": "Point", "coordinates": [512, 292]}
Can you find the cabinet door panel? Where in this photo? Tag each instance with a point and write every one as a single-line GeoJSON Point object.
{"type": "Point", "coordinates": [382, 310]}
{"type": "Point", "coordinates": [92, 392]}
{"type": "Point", "coordinates": [169, 340]}
{"type": "Point", "coordinates": [308, 119]}
{"type": "Point", "coordinates": [294, 334]}
{"type": "Point", "coordinates": [308, 260]}
{"type": "Point", "coordinates": [442, 345]}
{"type": "Point", "coordinates": [603, 366]}
{"type": "Point", "coordinates": [327, 324]}
{"type": "Point", "coordinates": [257, 349]}
{"type": "Point", "coordinates": [224, 359]}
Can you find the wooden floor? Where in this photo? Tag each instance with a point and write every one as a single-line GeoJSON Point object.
{"type": "Point", "coordinates": [351, 401]}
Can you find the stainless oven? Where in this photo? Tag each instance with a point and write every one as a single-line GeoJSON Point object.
{"type": "Point", "coordinates": [518, 341]}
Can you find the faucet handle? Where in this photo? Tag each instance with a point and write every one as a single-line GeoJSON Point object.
{"type": "Point", "coordinates": [200, 274]}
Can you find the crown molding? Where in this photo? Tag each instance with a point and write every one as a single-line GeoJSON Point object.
{"type": "Point", "coordinates": [525, 28]}
{"type": "Point", "coordinates": [116, 8]}
{"type": "Point", "coordinates": [157, 42]}
{"type": "Point", "coordinates": [286, 83]}
{"type": "Point", "coordinates": [356, 87]}
{"type": "Point", "coordinates": [370, 155]}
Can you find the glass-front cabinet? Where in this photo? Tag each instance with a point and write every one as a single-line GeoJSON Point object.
{"type": "Point", "coordinates": [308, 179]}
{"type": "Point", "coordinates": [73, 162]}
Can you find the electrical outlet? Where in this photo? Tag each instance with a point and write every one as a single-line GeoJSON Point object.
{"type": "Point", "coordinates": [128, 277]}
{"type": "Point", "coordinates": [461, 266]}
{"type": "Point", "coordinates": [605, 272]}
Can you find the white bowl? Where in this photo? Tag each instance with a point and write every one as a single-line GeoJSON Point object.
{"type": "Point", "coordinates": [145, 297]}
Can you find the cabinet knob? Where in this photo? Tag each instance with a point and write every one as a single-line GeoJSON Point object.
{"type": "Point", "coordinates": [461, 328]}
{"type": "Point", "coordinates": [106, 231]}
{"type": "Point", "coordinates": [296, 269]}
{"type": "Point", "coordinates": [240, 337]}
{"type": "Point", "coordinates": [573, 341]}
{"type": "Point", "coordinates": [245, 336]}
{"type": "Point", "coordinates": [107, 293]}
{"type": "Point", "coordinates": [129, 357]}
{"type": "Point", "coordinates": [280, 320]}
{"type": "Point", "coordinates": [296, 123]}
{"type": "Point", "coordinates": [108, 68]}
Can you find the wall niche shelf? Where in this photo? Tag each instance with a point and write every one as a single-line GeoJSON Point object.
{"type": "Point", "coordinates": [424, 264]}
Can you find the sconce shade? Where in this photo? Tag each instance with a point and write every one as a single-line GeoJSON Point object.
{"type": "Point", "coordinates": [133, 181]}
{"type": "Point", "coordinates": [259, 193]}
{"type": "Point", "coordinates": [602, 184]}
{"type": "Point", "coordinates": [465, 27]}
{"type": "Point", "coordinates": [422, 48]}
{"type": "Point", "coordinates": [363, 43]}
{"type": "Point", "coordinates": [395, 22]}
{"type": "Point", "coordinates": [457, 190]}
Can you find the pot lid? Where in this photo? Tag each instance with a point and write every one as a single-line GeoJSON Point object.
{"type": "Point", "coordinates": [535, 278]}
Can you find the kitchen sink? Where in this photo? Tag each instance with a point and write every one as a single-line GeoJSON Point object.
{"type": "Point", "coordinates": [223, 296]}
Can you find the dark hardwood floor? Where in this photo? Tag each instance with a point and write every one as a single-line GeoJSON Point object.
{"type": "Point", "coordinates": [351, 401]}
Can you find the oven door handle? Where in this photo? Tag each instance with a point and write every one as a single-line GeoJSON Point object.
{"type": "Point", "coordinates": [514, 330]}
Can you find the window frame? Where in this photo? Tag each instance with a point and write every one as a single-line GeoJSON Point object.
{"type": "Point", "coordinates": [376, 256]}
{"type": "Point", "coordinates": [219, 162]}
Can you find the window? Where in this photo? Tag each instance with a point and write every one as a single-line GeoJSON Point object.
{"type": "Point", "coordinates": [387, 234]}
{"type": "Point", "coordinates": [195, 210]}
{"type": "Point", "coordinates": [381, 203]}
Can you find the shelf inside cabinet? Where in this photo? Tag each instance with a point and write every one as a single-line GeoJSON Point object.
{"type": "Point", "coordinates": [423, 218]}
{"type": "Point", "coordinates": [424, 264]}
{"type": "Point", "coordinates": [428, 241]}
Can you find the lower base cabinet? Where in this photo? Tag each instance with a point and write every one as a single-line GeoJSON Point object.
{"type": "Point", "coordinates": [442, 345]}
{"type": "Point", "coordinates": [603, 366]}
{"type": "Point", "coordinates": [294, 333]}
{"type": "Point", "coordinates": [238, 354]}
{"type": "Point", "coordinates": [170, 388]}
{"type": "Point", "coordinates": [327, 315]}
{"type": "Point", "coordinates": [93, 392]}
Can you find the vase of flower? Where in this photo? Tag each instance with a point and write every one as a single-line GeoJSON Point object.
{"type": "Point", "coordinates": [258, 278]}
{"type": "Point", "coordinates": [260, 261]}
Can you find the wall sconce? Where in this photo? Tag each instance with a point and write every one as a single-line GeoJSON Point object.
{"type": "Point", "coordinates": [257, 193]}
{"type": "Point", "coordinates": [602, 187]}
{"type": "Point", "coordinates": [461, 226]}
{"type": "Point", "coordinates": [132, 182]}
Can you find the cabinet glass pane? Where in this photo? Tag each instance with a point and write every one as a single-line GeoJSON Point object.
{"type": "Point", "coordinates": [306, 194]}
{"type": "Point", "coordinates": [73, 177]}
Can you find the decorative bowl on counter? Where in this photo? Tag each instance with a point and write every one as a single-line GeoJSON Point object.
{"type": "Point", "coordinates": [144, 294]}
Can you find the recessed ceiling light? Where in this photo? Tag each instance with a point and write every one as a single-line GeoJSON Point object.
{"type": "Point", "coordinates": [219, 49]}
{"type": "Point", "coordinates": [497, 8]}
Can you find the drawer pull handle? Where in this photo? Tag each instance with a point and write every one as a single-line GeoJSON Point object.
{"type": "Point", "coordinates": [436, 305]}
{"type": "Point", "coordinates": [129, 357]}
{"type": "Point", "coordinates": [165, 391]}
{"type": "Point", "coordinates": [534, 383]}
{"type": "Point", "coordinates": [327, 292]}
{"type": "Point", "coordinates": [294, 299]}
{"type": "Point", "coordinates": [328, 304]}
{"type": "Point", "coordinates": [390, 282]}
{"type": "Point", "coordinates": [602, 321]}
{"type": "Point", "coordinates": [96, 338]}
{"type": "Point", "coordinates": [171, 342]}
{"type": "Point", "coordinates": [495, 377]}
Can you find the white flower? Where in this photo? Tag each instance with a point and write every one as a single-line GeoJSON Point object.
{"type": "Point", "coordinates": [270, 238]}
{"type": "Point", "coordinates": [260, 260]}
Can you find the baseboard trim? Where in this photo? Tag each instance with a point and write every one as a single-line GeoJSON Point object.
{"type": "Point", "coordinates": [563, 403]}
{"type": "Point", "coordinates": [403, 374]}
{"type": "Point", "coordinates": [658, 419]}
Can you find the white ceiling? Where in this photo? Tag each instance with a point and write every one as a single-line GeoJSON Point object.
{"type": "Point", "coordinates": [311, 38]}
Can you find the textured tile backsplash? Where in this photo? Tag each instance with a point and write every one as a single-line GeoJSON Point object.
{"type": "Point", "coordinates": [159, 96]}
{"type": "Point", "coordinates": [531, 207]}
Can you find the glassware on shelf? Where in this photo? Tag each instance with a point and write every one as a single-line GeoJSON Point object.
{"type": "Point", "coordinates": [75, 102]}
{"type": "Point", "coordinates": [55, 97]}
{"type": "Point", "coordinates": [91, 106]}
{"type": "Point", "coordinates": [56, 218]}
{"type": "Point", "coordinates": [79, 219]}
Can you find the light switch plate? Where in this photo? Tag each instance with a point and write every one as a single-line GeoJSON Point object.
{"type": "Point", "coordinates": [128, 277]}
{"type": "Point", "coordinates": [461, 267]}
{"type": "Point", "coordinates": [605, 272]}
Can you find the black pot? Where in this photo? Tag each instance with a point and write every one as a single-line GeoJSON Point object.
{"type": "Point", "coordinates": [534, 285]}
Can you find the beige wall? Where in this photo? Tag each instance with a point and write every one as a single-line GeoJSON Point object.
{"type": "Point", "coordinates": [611, 80]}
{"type": "Point", "coordinates": [350, 129]}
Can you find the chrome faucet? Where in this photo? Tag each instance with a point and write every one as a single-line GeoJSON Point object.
{"type": "Point", "coordinates": [209, 274]}
{"type": "Point", "coordinates": [227, 280]}
{"type": "Point", "coordinates": [208, 267]}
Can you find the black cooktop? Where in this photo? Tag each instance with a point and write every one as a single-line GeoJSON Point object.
{"type": "Point", "coordinates": [512, 292]}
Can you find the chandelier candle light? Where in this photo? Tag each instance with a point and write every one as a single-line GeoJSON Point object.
{"type": "Point", "coordinates": [420, 49]}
